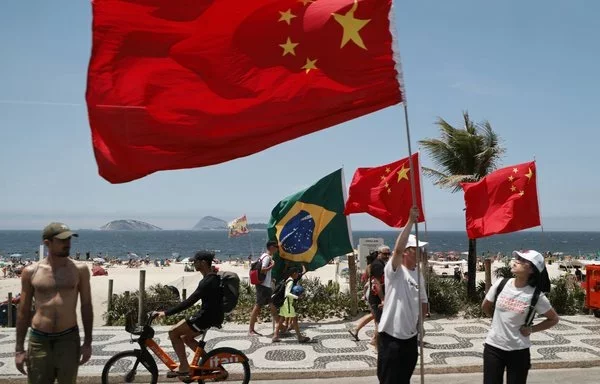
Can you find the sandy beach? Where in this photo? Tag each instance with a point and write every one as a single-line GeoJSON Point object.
{"type": "Point", "coordinates": [127, 279]}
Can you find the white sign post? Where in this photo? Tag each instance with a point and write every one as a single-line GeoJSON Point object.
{"type": "Point", "coordinates": [366, 246]}
{"type": "Point", "coordinates": [42, 252]}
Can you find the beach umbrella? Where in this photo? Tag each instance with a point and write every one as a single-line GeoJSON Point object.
{"type": "Point", "coordinates": [16, 255]}
{"type": "Point", "coordinates": [98, 260]}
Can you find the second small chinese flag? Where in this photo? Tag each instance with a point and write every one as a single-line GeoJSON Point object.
{"type": "Point", "coordinates": [504, 201]}
{"type": "Point", "coordinates": [385, 193]}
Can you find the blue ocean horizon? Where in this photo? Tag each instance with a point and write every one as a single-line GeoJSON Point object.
{"type": "Point", "coordinates": [170, 243]}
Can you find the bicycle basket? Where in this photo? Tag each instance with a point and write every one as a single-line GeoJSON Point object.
{"type": "Point", "coordinates": [131, 324]}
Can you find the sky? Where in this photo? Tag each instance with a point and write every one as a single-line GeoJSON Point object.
{"type": "Point", "coordinates": [528, 67]}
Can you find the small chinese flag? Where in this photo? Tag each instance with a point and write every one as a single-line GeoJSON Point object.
{"type": "Point", "coordinates": [385, 193]}
{"type": "Point", "coordinates": [178, 84]}
{"type": "Point", "coordinates": [502, 202]}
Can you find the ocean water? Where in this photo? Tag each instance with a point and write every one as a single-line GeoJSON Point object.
{"type": "Point", "coordinates": [164, 244]}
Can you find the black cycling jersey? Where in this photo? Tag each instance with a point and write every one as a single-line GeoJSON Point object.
{"type": "Point", "coordinates": [209, 291]}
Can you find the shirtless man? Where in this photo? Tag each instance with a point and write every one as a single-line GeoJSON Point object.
{"type": "Point", "coordinates": [55, 282]}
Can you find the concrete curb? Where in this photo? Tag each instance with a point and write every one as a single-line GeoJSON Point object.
{"type": "Point", "coordinates": [325, 374]}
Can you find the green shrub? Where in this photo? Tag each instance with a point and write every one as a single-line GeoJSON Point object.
{"type": "Point", "coordinates": [446, 295]}
{"type": "Point", "coordinates": [566, 296]}
{"type": "Point", "coordinates": [158, 297]}
{"type": "Point", "coordinates": [473, 308]}
{"type": "Point", "coordinates": [320, 301]}
{"type": "Point", "coordinates": [504, 271]}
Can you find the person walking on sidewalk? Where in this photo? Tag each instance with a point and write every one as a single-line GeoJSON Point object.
{"type": "Point", "coordinates": [56, 283]}
{"type": "Point", "coordinates": [507, 344]}
{"type": "Point", "coordinates": [366, 319]}
{"type": "Point", "coordinates": [287, 311]}
{"type": "Point", "coordinates": [399, 325]}
{"type": "Point", "coordinates": [264, 290]}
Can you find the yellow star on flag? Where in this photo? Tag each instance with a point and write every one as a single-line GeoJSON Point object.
{"type": "Point", "coordinates": [286, 16]}
{"type": "Point", "coordinates": [389, 191]}
{"type": "Point", "coordinates": [310, 64]}
{"type": "Point", "coordinates": [382, 177]}
{"type": "Point", "coordinates": [306, 2]}
{"type": "Point", "coordinates": [515, 170]}
{"type": "Point", "coordinates": [529, 174]}
{"type": "Point", "coordinates": [513, 188]}
{"type": "Point", "coordinates": [288, 47]}
{"type": "Point", "coordinates": [387, 170]}
{"type": "Point", "coordinates": [510, 178]}
{"type": "Point", "coordinates": [351, 26]}
{"type": "Point", "coordinates": [521, 193]}
{"type": "Point", "coordinates": [403, 173]}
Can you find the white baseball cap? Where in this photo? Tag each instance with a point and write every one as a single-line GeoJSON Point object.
{"type": "Point", "coordinates": [532, 256]}
{"type": "Point", "coordinates": [412, 242]}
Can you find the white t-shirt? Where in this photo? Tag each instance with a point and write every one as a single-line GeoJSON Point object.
{"type": "Point", "coordinates": [400, 317]}
{"type": "Point", "coordinates": [510, 313]}
{"type": "Point", "coordinates": [266, 261]}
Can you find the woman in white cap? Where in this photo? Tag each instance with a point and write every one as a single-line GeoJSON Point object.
{"type": "Point", "coordinates": [507, 343]}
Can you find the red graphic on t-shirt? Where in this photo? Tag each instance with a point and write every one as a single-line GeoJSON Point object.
{"type": "Point", "coordinates": [512, 304]}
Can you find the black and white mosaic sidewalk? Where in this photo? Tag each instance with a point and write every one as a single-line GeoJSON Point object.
{"type": "Point", "coordinates": [451, 346]}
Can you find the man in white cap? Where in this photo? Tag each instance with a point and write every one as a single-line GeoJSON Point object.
{"type": "Point", "coordinates": [399, 325]}
{"type": "Point", "coordinates": [56, 283]}
{"type": "Point", "coordinates": [507, 343]}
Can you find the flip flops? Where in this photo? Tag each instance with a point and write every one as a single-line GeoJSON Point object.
{"type": "Point", "coordinates": [355, 335]}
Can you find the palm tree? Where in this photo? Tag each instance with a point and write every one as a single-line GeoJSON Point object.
{"type": "Point", "coordinates": [463, 155]}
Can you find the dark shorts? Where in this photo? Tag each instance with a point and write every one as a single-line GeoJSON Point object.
{"type": "Point", "coordinates": [53, 356]}
{"type": "Point", "coordinates": [201, 321]}
{"type": "Point", "coordinates": [263, 295]}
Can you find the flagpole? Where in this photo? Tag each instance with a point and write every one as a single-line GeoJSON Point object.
{"type": "Point", "coordinates": [418, 249]}
{"type": "Point", "coordinates": [544, 242]}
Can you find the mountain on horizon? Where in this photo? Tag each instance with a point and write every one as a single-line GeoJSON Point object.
{"type": "Point", "coordinates": [129, 225]}
{"type": "Point", "coordinates": [210, 223]}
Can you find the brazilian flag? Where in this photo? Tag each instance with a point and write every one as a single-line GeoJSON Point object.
{"type": "Point", "coordinates": [310, 226]}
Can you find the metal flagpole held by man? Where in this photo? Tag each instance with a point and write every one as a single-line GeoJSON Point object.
{"type": "Point", "coordinates": [418, 249]}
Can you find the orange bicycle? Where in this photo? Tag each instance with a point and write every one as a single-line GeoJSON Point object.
{"type": "Point", "coordinates": [139, 366]}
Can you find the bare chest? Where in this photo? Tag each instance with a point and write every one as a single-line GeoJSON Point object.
{"type": "Point", "coordinates": [51, 280]}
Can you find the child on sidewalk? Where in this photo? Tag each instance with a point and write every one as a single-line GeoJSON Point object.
{"type": "Point", "coordinates": [287, 310]}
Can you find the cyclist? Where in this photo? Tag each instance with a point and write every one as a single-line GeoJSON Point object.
{"type": "Point", "coordinates": [210, 314]}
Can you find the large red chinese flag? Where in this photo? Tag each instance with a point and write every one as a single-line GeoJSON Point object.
{"type": "Point", "coordinates": [385, 193]}
{"type": "Point", "coordinates": [187, 83]}
{"type": "Point", "coordinates": [502, 202]}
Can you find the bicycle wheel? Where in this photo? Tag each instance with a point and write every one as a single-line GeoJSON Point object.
{"type": "Point", "coordinates": [127, 367]}
{"type": "Point", "coordinates": [233, 363]}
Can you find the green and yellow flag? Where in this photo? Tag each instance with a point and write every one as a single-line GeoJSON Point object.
{"type": "Point", "coordinates": [310, 226]}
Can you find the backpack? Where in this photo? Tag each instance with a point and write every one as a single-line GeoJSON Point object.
{"type": "Point", "coordinates": [230, 288]}
{"type": "Point", "coordinates": [534, 299]}
{"type": "Point", "coordinates": [278, 296]}
{"type": "Point", "coordinates": [256, 277]}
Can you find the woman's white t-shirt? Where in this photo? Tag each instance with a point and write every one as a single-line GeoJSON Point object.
{"type": "Point", "coordinates": [509, 315]}
{"type": "Point", "coordinates": [400, 315]}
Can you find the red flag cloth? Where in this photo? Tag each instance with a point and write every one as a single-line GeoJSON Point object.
{"type": "Point", "coordinates": [189, 83]}
{"type": "Point", "coordinates": [384, 192]}
{"type": "Point", "coordinates": [502, 202]}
